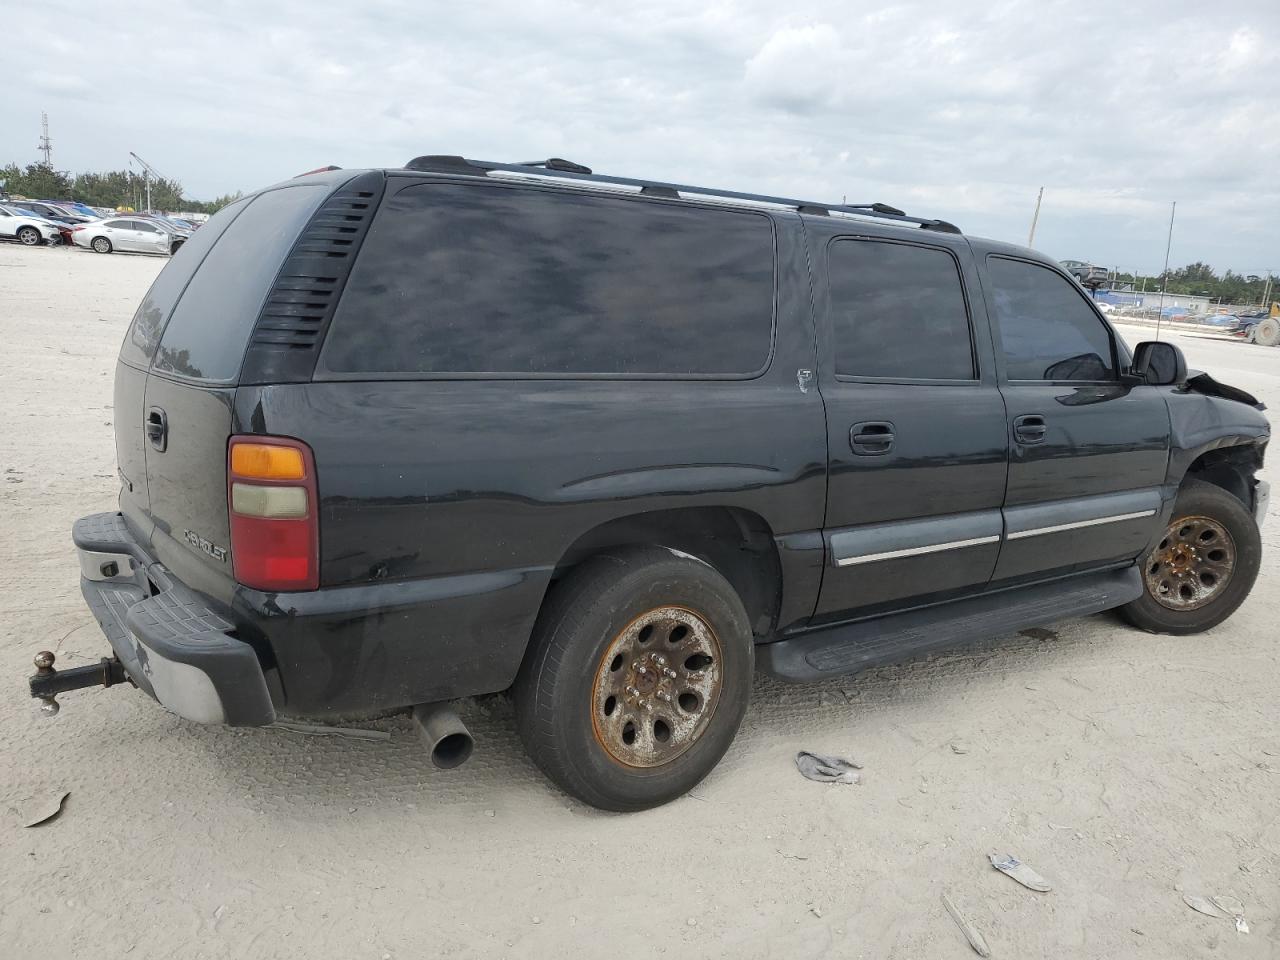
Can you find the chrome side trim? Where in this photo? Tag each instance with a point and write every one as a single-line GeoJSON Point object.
{"type": "Point", "coordinates": [1080, 524]}
{"type": "Point", "coordinates": [915, 551]}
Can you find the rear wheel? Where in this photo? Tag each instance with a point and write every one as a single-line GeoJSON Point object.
{"type": "Point", "coordinates": [1203, 566]}
{"type": "Point", "coordinates": [637, 678]}
{"type": "Point", "coordinates": [101, 245]}
{"type": "Point", "coordinates": [29, 236]}
{"type": "Point", "coordinates": [1267, 332]}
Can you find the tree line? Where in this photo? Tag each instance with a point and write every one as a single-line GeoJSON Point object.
{"type": "Point", "coordinates": [1200, 279]}
{"type": "Point", "coordinates": [113, 188]}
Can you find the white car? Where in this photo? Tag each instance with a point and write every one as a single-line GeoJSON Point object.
{"type": "Point", "coordinates": [126, 235]}
{"type": "Point", "coordinates": [26, 228]}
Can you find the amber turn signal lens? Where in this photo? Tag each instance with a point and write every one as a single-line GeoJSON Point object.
{"type": "Point", "coordinates": [264, 461]}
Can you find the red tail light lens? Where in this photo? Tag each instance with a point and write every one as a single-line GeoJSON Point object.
{"type": "Point", "coordinates": [275, 522]}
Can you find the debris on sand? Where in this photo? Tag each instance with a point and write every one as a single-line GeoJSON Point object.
{"type": "Point", "coordinates": [959, 746]}
{"type": "Point", "coordinates": [815, 766]}
{"type": "Point", "coordinates": [1220, 907]}
{"type": "Point", "coordinates": [43, 808]}
{"type": "Point", "coordinates": [976, 940]}
{"type": "Point", "coordinates": [1011, 866]}
{"type": "Point", "coordinates": [325, 730]}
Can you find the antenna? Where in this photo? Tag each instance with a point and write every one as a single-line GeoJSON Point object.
{"type": "Point", "coordinates": [46, 145]}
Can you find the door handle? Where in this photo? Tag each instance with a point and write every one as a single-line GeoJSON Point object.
{"type": "Point", "coordinates": [871, 438]}
{"type": "Point", "coordinates": [1029, 428]}
{"type": "Point", "coordinates": [157, 427]}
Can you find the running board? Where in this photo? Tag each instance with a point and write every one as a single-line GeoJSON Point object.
{"type": "Point", "coordinates": [850, 647]}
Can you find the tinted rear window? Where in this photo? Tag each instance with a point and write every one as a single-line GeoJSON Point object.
{"type": "Point", "coordinates": [468, 279]}
{"type": "Point", "coordinates": [149, 320]}
{"type": "Point", "coordinates": [898, 311]}
{"type": "Point", "coordinates": [206, 335]}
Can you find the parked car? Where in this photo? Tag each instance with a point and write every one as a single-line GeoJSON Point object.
{"type": "Point", "coordinates": [389, 438]}
{"type": "Point", "coordinates": [130, 234]}
{"type": "Point", "coordinates": [50, 211]}
{"type": "Point", "coordinates": [167, 222]}
{"type": "Point", "coordinates": [1089, 275]}
{"type": "Point", "coordinates": [22, 225]}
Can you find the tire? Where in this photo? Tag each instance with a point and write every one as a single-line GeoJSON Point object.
{"type": "Point", "coordinates": [1267, 332]}
{"type": "Point", "coordinates": [29, 236]}
{"type": "Point", "coordinates": [1187, 589]}
{"type": "Point", "coordinates": [101, 245]}
{"type": "Point", "coordinates": [630, 627]}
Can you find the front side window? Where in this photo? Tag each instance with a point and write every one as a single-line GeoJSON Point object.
{"type": "Point", "coordinates": [1047, 330]}
{"type": "Point", "coordinates": [144, 226]}
{"type": "Point", "coordinates": [898, 311]}
{"type": "Point", "coordinates": [467, 279]}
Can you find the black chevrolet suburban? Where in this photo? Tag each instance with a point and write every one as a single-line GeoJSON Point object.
{"type": "Point", "coordinates": [388, 438]}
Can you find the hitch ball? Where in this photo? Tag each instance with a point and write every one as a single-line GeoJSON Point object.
{"type": "Point", "coordinates": [44, 668]}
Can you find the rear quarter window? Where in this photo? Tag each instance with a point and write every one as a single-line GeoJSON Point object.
{"type": "Point", "coordinates": [209, 328]}
{"type": "Point", "coordinates": [152, 313]}
{"type": "Point", "coordinates": [478, 280]}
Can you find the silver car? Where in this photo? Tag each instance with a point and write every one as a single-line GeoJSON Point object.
{"type": "Point", "coordinates": [127, 235]}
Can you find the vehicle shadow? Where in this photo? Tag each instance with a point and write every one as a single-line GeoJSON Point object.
{"type": "Point", "coordinates": [302, 775]}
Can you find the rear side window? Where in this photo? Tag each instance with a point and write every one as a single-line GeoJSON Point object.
{"type": "Point", "coordinates": [898, 311]}
{"type": "Point", "coordinates": [461, 279]}
{"type": "Point", "coordinates": [206, 335]}
{"type": "Point", "coordinates": [1047, 330]}
{"type": "Point", "coordinates": [149, 320]}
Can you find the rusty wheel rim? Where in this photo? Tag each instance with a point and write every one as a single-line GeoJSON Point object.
{"type": "Point", "coordinates": [656, 687]}
{"type": "Point", "coordinates": [1191, 565]}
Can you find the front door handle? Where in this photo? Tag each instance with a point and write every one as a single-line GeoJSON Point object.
{"type": "Point", "coordinates": [871, 438]}
{"type": "Point", "coordinates": [1029, 428]}
{"type": "Point", "coordinates": [158, 428]}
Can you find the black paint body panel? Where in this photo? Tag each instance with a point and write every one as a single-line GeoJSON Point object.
{"type": "Point", "coordinates": [449, 505]}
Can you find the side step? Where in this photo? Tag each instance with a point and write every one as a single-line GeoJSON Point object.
{"type": "Point", "coordinates": [850, 647]}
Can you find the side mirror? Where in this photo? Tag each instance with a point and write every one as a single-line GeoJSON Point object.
{"type": "Point", "coordinates": [1159, 363]}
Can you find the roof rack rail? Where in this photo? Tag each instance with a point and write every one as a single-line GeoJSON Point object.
{"type": "Point", "coordinates": [566, 169]}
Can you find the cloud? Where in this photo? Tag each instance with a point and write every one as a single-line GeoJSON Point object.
{"type": "Point", "coordinates": [960, 110]}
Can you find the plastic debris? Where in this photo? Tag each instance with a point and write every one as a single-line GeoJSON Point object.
{"type": "Point", "coordinates": [324, 730]}
{"type": "Point", "coordinates": [976, 940]}
{"type": "Point", "coordinates": [815, 766]}
{"type": "Point", "coordinates": [1011, 866]}
{"type": "Point", "coordinates": [959, 746]}
{"type": "Point", "coordinates": [1204, 905]}
{"type": "Point", "coordinates": [1234, 909]}
{"type": "Point", "coordinates": [43, 808]}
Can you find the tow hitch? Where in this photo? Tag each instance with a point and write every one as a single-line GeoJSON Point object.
{"type": "Point", "coordinates": [47, 683]}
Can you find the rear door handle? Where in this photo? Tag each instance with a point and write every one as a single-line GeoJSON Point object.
{"type": "Point", "coordinates": [871, 438]}
{"type": "Point", "coordinates": [158, 428]}
{"type": "Point", "coordinates": [1029, 428]}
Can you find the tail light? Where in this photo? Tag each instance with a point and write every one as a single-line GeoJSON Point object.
{"type": "Point", "coordinates": [78, 226]}
{"type": "Point", "coordinates": [275, 522]}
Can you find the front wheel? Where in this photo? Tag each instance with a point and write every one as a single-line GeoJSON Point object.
{"type": "Point", "coordinates": [29, 236]}
{"type": "Point", "coordinates": [1267, 332]}
{"type": "Point", "coordinates": [1203, 566]}
{"type": "Point", "coordinates": [637, 678]}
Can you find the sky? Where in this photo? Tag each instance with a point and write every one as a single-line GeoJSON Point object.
{"type": "Point", "coordinates": [956, 110]}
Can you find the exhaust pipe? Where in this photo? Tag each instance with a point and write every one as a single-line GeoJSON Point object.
{"type": "Point", "coordinates": [446, 736]}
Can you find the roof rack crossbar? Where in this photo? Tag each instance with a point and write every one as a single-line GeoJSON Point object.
{"type": "Point", "coordinates": [556, 167]}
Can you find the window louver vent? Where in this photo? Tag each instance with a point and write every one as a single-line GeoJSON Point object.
{"type": "Point", "coordinates": [306, 291]}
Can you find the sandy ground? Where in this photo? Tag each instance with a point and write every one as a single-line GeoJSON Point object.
{"type": "Point", "coordinates": [1124, 767]}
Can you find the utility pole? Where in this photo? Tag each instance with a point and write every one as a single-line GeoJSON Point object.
{"type": "Point", "coordinates": [46, 145]}
{"type": "Point", "coordinates": [1031, 237]}
{"type": "Point", "coordinates": [1164, 277]}
{"type": "Point", "coordinates": [148, 171]}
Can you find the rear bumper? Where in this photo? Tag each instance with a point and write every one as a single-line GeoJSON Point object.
{"type": "Point", "coordinates": [173, 646]}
